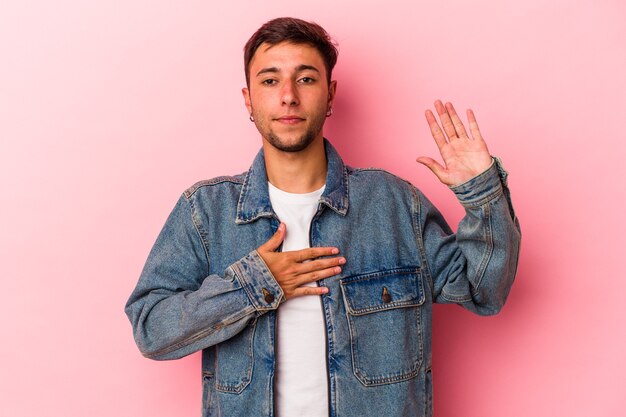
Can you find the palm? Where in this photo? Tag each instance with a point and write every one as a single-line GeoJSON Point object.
{"type": "Point", "coordinates": [464, 157]}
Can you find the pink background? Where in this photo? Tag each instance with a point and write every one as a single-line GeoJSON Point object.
{"type": "Point", "coordinates": [110, 109]}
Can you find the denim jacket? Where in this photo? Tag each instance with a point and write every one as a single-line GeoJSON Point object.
{"type": "Point", "coordinates": [204, 286]}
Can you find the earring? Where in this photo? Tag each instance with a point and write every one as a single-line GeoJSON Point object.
{"type": "Point", "coordinates": [329, 112]}
{"type": "Point", "coordinates": [251, 118]}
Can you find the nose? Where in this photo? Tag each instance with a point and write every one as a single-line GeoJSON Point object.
{"type": "Point", "coordinates": [289, 94]}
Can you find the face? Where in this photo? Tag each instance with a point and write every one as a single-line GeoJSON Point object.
{"type": "Point", "coordinates": [289, 95]}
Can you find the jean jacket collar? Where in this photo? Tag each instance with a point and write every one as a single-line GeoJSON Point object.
{"type": "Point", "coordinates": [254, 200]}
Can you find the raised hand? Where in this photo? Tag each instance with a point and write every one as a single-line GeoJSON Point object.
{"type": "Point", "coordinates": [464, 157]}
{"type": "Point", "coordinates": [291, 269]}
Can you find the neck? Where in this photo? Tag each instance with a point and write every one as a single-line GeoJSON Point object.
{"type": "Point", "coordinates": [296, 172]}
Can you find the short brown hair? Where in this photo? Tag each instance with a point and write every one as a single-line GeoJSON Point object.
{"type": "Point", "coordinates": [290, 29]}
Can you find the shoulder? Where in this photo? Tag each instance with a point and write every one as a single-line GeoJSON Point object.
{"type": "Point", "coordinates": [215, 184]}
{"type": "Point", "coordinates": [377, 186]}
{"type": "Point", "coordinates": [377, 178]}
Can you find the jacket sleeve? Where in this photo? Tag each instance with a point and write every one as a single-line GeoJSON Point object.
{"type": "Point", "coordinates": [475, 267]}
{"type": "Point", "coordinates": [177, 308]}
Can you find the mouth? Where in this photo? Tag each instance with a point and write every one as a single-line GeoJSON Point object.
{"type": "Point", "coordinates": [289, 120]}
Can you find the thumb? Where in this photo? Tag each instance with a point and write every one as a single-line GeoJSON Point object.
{"type": "Point", "coordinates": [434, 166]}
{"type": "Point", "coordinates": [275, 241]}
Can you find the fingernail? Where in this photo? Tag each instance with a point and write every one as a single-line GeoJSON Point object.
{"type": "Point", "coordinates": [342, 261]}
{"type": "Point", "coordinates": [335, 251]}
{"type": "Point", "coordinates": [324, 290]}
{"type": "Point", "coordinates": [337, 270]}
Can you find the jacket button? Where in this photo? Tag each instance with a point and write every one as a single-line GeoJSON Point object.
{"type": "Point", "coordinates": [269, 297]}
{"type": "Point", "coordinates": [386, 295]}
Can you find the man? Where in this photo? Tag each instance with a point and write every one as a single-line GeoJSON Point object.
{"type": "Point", "coordinates": [308, 285]}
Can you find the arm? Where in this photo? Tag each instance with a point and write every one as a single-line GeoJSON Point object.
{"type": "Point", "coordinates": [476, 267]}
{"type": "Point", "coordinates": [177, 308]}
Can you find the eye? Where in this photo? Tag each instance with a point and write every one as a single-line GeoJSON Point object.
{"type": "Point", "coordinates": [269, 81]}
{"type": "Point", "coordinates": [306, 80]}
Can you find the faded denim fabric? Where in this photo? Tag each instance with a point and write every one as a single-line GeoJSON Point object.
{"type": "Point", "coordinates": [204, 286]}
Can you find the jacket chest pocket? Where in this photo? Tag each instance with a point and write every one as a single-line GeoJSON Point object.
{"type": "Point", "coordinates": [385, 322]}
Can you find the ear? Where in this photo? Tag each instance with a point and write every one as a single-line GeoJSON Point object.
{"type": "Point", "coordinates": [246, 97]}
{"type": "Point", "coordinates": [332, 89]}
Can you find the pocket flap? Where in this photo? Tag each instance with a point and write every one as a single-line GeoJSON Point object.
{"type": "Point", "coordinates": [383, 290]}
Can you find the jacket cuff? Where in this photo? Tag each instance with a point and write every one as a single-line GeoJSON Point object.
{"type": "Point", "coordinates": [484, 187]}
{"type": "Point", "coordinates": [258, 282]}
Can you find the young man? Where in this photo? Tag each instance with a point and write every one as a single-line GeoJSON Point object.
{"type": "Point", "coordinates": [308, 285]}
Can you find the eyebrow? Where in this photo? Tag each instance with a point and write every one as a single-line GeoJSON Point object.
{"type": "Point", "coordinates": [299, 68]}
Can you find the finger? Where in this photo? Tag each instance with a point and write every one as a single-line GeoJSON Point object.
{"type": "Point", "coordinates": [456, 121]}
{"type": "Point", "coordinates": [320, 264]}
{"type": "Point", "coordinates": [435, 167]}
{"type": "Point", "coordinates": [313, 253]}
{"type": "Point", "coordinates": [298, 292]}
{"type": "Point", "coordinates": [473, 125]}
{"type": "Point", "coordinates": [317, 275]}
{"type": "Point", "coordinates": [446, 122]}
{"type": "Point", "coordinates": [436, 131]}
{"type": "Point", "coordinates": [275, 241]}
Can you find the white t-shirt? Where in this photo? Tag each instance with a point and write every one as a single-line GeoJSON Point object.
{"type": "Point", "coordinates": [301, 388]}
